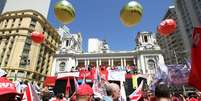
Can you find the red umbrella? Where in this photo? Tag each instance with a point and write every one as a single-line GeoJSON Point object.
{"type": "Point", "coordinates": [7, 89]}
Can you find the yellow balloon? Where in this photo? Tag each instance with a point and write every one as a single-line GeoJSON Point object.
{"type": "Point", "coordinates": [131, 13]}
{"type": "Point", "coordinates": [64, 12]}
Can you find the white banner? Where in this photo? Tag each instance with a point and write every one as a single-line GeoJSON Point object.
{"type": "Point", "coordinates": [70, 74]}
{"type": "Point", "coordinates": [116, 75]}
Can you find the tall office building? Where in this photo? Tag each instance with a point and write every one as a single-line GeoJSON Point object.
{"type": "Point", "coordinates": [189, 14]}
{"type": "Point", "coordinates": [19, 56]}
{"type": "Point", "coordinates": [2, 4]}
{"type": "Point", "coordinates": [41, 6]}
{"type": "Point", "coordinates": [173, 46]}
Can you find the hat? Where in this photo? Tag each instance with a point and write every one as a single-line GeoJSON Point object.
{"type": "Point", "coordinates": [193, 99]}
{"type": "Point", "coordinates": [85, 90]}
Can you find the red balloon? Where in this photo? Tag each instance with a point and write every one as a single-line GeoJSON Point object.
{"type": "Point", "coordinates": [37, 37]}
{"type": "Point", "coordinates": [167, 27]}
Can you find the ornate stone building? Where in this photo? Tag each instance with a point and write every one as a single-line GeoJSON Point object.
{"type": "Point", "coordinates": [147, 56]}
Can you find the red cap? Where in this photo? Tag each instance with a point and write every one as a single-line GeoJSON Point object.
{"type": "Point", "coordinates": [7, 87]}
{"type": "Point", "coordinates": [193, 99]}
{"type": "Point", "coordinates": [85, 90]}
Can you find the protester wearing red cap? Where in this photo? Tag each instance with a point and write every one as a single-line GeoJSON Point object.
{"type": "Point", "coordinates": [84, 93]}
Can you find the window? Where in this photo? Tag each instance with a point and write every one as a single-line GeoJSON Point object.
{"type": "Point", "coordinates": [20, 74]}
{"type": "Point", "coordinates": [67, 42]}
{"type": "Point", "coordinates": [6, 22]}
{"type": "Point", "coordinates": [33, 23]}
{"type": "Point", "coordinates": [145, 39]}
{"type": "Point", "coordinates": [19, 24]}
{"type": "Point", "coordinates": [62, 66]}
{"type": "Point", "coordinates": [13, 20]}
{"type": "Point", "coordinates": [25, 54]}
{"type": "Point", "coordinates": [46, 71]}
{"type": "Point", "coordinates": [35, 14]}
{"type": "Point", "coordinates": [20, 20]}
{"type": "Point", "coordinates": [12, 25]}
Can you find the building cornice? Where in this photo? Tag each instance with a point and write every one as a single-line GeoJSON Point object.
{"type": "Point", "coordinates": [109, 55]}
{"type": "Point", "coordinates": [11, 68]}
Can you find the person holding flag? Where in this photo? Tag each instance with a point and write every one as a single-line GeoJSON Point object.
{"type": "Point", "coordinates": [30, 94]}
{"type": "Point", "coordinates": [137, 94]}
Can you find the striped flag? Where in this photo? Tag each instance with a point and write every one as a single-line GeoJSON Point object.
{"type": "Point", "coordinates": [97, 80]}
{"type": "Point", "coordinates": [137, 94]}
{"type": "Point", "coordinates": [84, 80]}
{"type": "Point", "coordinates": [30, 94]}
{"type": "Point", "coordinates": [76, 84]}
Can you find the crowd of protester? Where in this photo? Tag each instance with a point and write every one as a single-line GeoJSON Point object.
{"type": "Point", "coordinates": [110, 91]}
{"type": "Point", "coordinates": [162, 93]}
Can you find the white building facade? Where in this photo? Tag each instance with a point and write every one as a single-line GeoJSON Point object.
{"type": "Point", "coordinates": [146, 57]}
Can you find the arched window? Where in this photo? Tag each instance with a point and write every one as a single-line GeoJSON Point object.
{"type": "Point", "coordinates": [151, 64]}
{"type": "Point", "coordinates": [62, 66]}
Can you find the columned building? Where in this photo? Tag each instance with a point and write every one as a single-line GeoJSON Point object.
{"type": "Point", "coordinates": [146, 57]}
{"type": "Point", "coordinates": [19, 56]}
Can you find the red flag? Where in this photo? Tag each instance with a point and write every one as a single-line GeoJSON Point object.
{"type": "Point", "coordinates": [137, 94]}
{"type": "Point", "coordinates": [195, 76]}
{"type": "Point", "coordinates": [104, 73]}
{"type": "Point", "coordinates": [30, 94]}
{"type": "Point", "coordinates": [68, 86]}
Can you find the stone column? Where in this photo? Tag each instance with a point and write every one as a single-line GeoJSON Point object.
{"type": "Point", "coordinates": [109, 62]}
{"type": "Point", "coordinates": [76, 62]}
{"type": "Point", "coordinates": [121, 62]}
{"type": "Point", "coordinates": [97, 63]}
{"type": "Point", "coordinates": [100, 62]}
{"type": "Point", "coordinates": [85, 63]}
{"type": "Point", "coordinates": [88, 62]}
{"type": "Point", "coordinates": [134, 61]}
{"type": "Point", "coordinates": [112, 64]}
{"type": "Point", "coordinates": [124, 62]}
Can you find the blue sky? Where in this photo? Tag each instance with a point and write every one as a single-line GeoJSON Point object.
{"type": "Point", "coordinates": [100, 19]}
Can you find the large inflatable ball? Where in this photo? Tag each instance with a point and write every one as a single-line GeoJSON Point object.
{"type": "Point", "coordinates": [167, 27]}
{"type": "Point", "coordinates": [64, 12]}
{"type": "Point", "coordinates": [131, 13]}
{"type": "Point", "coordinates": [37, 37]}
